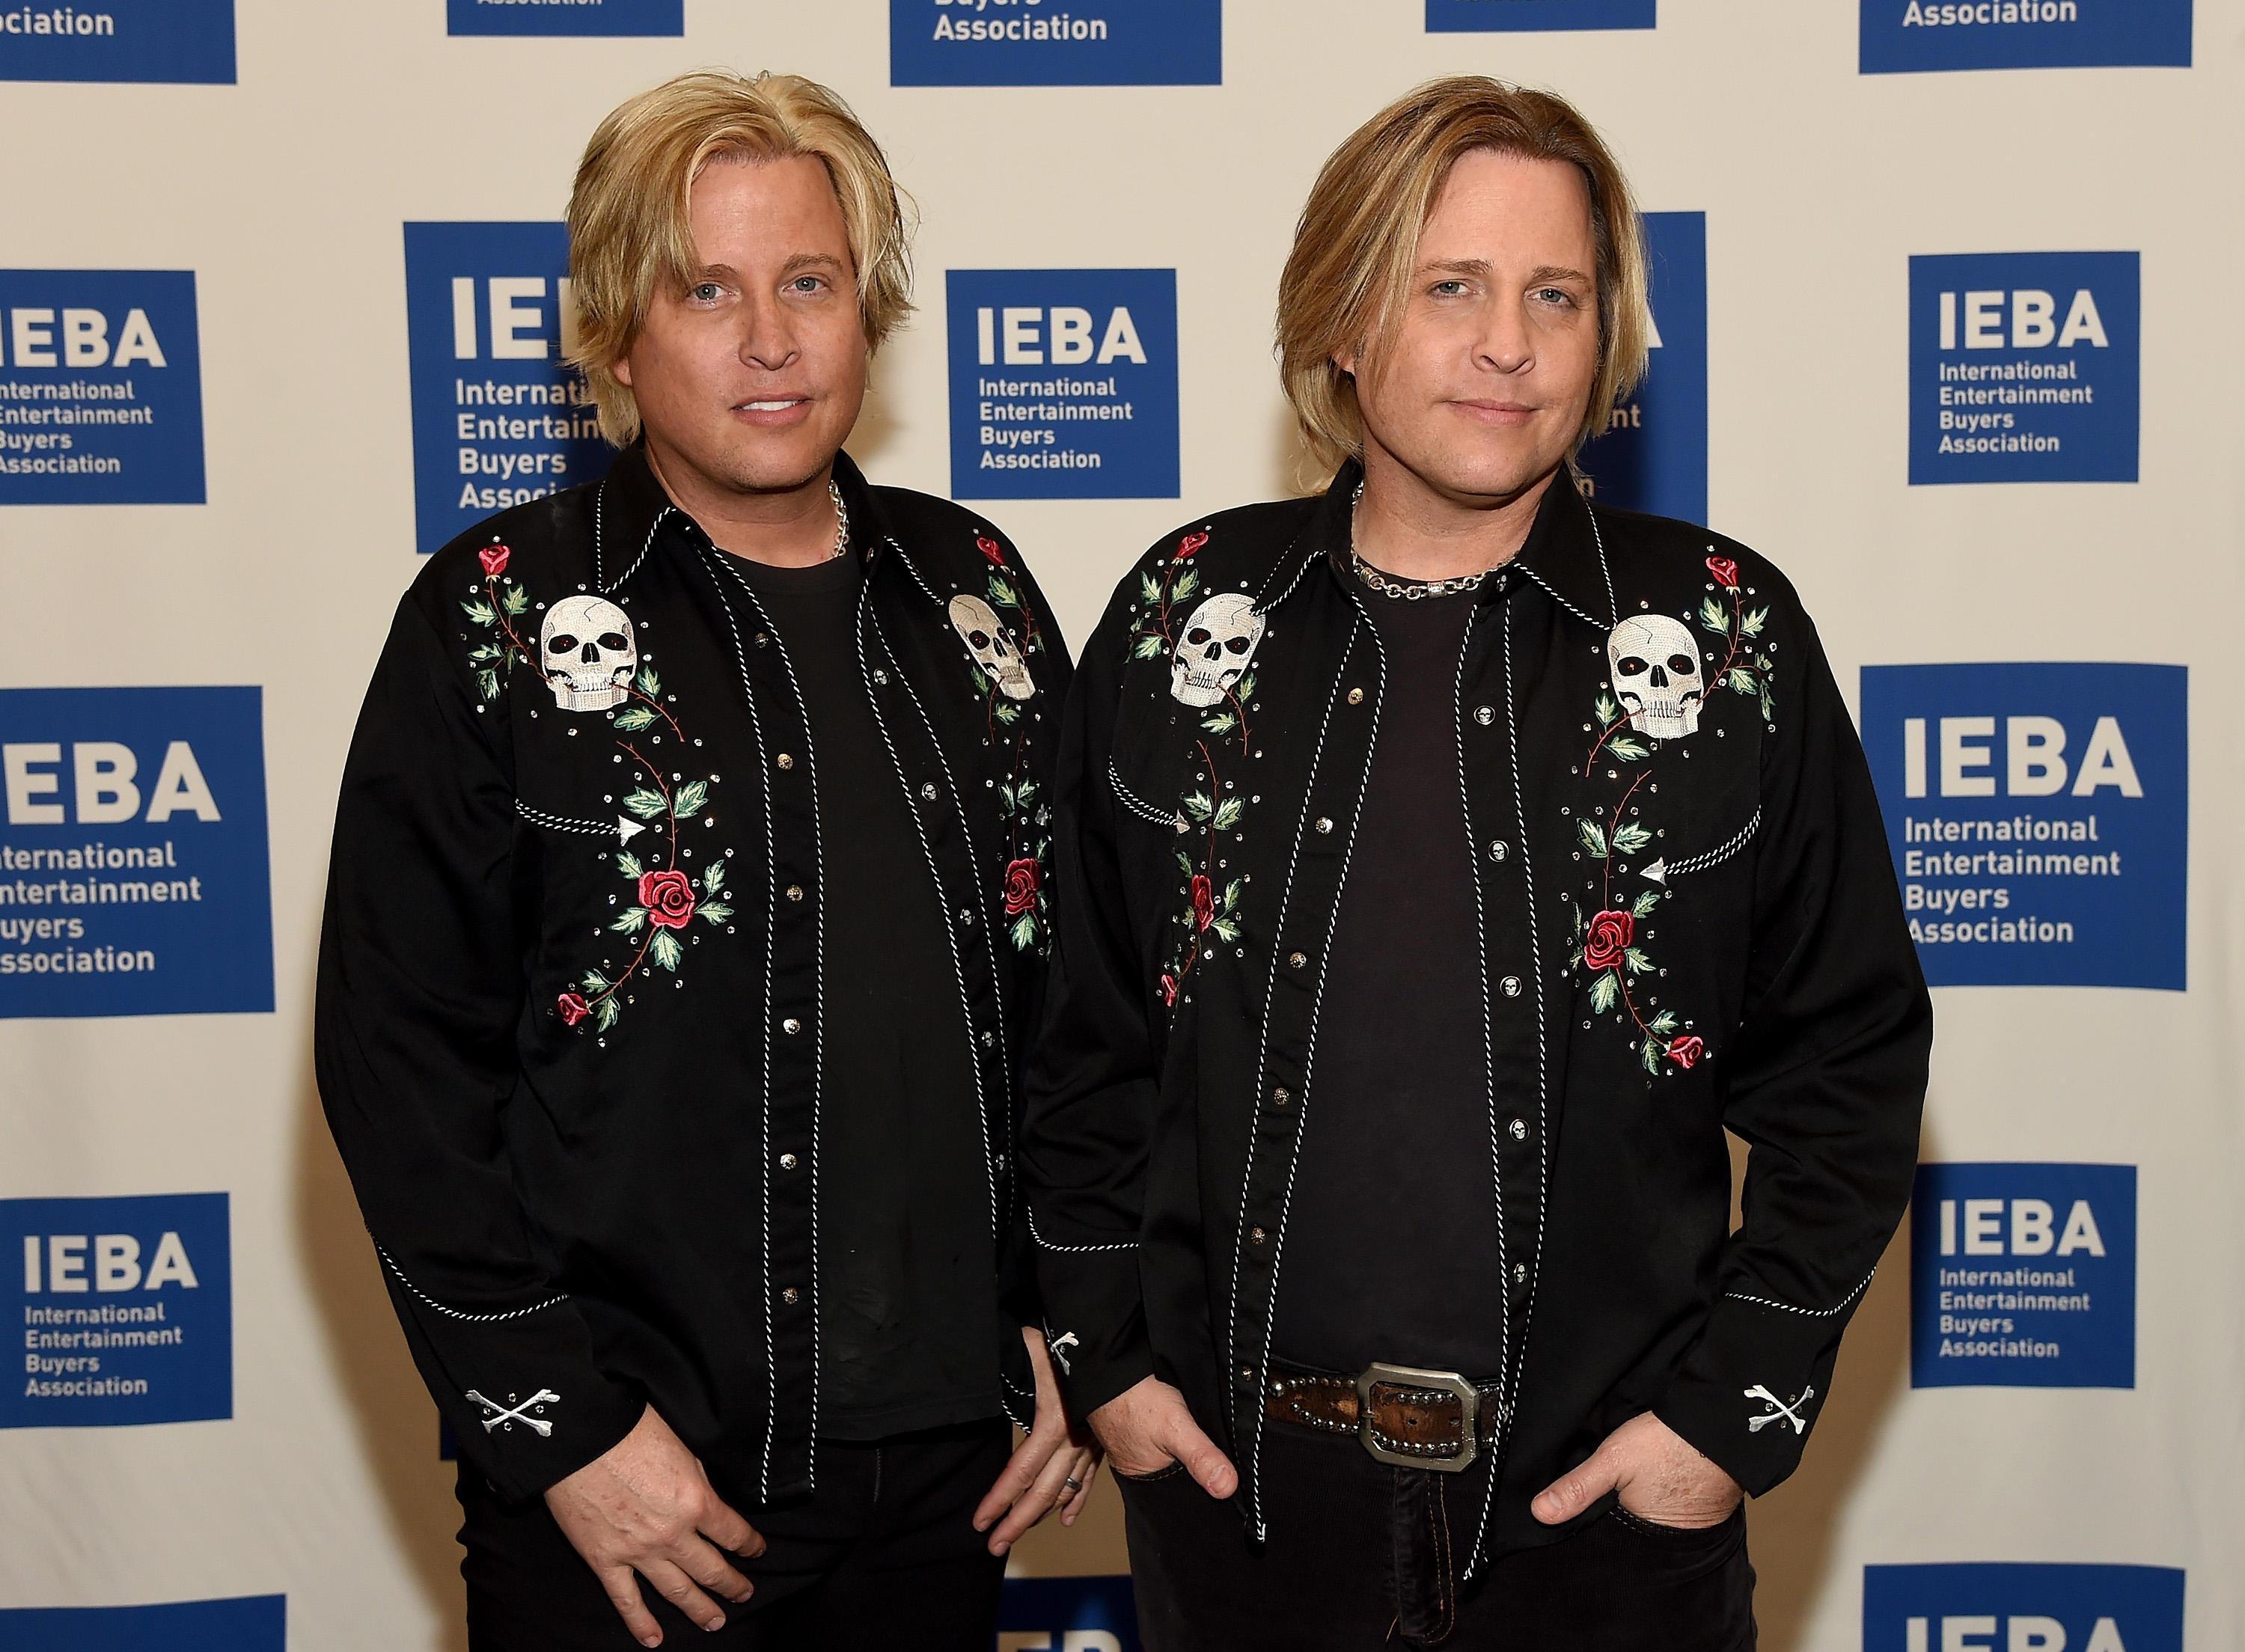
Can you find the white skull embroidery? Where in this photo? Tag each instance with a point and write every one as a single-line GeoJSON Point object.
{"type": "Point", "coordinates": [976, 622]}
{"type": "Point", "coordinates": [1217, 645]}
{"type": "Point", "coordinates": [588, 653]}
{"type": "Point", "coordinates": [1655, 675]}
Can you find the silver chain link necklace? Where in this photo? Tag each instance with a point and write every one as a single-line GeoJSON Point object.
{"type": "Point", "coordinates": [841, 521]}
{"type": "Point", "coordinates": [1402, 590]}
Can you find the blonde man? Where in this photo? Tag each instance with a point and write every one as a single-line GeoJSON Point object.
{"type": "Point", "coordinates": [685, 914]}
{"type": "Point", "coordinates": [1443, 865]}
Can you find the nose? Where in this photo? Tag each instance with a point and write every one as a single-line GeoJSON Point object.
{"type": "Point", "coordinates": [589, 654]}
{"type": "Point", "coordinates": [1659, 678]}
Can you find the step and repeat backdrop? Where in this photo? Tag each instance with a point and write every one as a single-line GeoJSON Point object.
{"type": "Point", "coordinates": [1948, 325]}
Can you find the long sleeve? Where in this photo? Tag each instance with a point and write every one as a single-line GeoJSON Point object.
{"type": "Point", "coordinates": [1091, 1080]}
{"type": "Point", "coordinates": [1825, 1082]}
{"type": "Point", "coordinates": [421, 988]}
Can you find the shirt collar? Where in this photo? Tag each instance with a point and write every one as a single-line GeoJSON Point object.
{"type": "Point", "coordinates": [1564, 551]}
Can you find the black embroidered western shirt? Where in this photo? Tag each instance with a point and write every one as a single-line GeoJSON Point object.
{"type": "Point", "coordinates": [1689, 920]}
{"type": "Point", "coordinates": [577, 997]}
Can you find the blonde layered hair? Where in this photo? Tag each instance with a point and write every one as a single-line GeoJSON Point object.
{"type": "Point", "coordinates": [1356, 248]}
{"type": "Point", "coordinates": [629, 225]}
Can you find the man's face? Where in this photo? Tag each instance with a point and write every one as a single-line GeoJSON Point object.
{"type": "Point", "coordinates": [753, 376]}
{"type": "Point", "coordinates": [1484, 389]}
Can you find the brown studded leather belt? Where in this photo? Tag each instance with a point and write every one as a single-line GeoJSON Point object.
{"type": "Point", "coordinates": [1437, 1419]}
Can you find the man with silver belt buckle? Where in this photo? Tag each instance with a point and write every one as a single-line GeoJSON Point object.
{"type": "Point", "coordinates": [1443, 863]}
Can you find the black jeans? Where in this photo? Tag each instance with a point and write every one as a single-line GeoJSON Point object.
{"type": "Point", "coordinates": [1362, 1555]}
{"type": "Point", "coordinates": [885, 1555]}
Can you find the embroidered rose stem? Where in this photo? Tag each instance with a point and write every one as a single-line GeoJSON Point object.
{"type": "Point", "coordinates": [529, 654]}
{"type": "Point", "coordinates": [1605, 734]}
{"type": "Point", "coordinates": [669, 812]}
{"type": "Point", "coordinates": [647, 938]}
{"type": "Point", "coordinates": [1731, 637]}
{"type": "Point", "coordinates": [1208, 862]}
{"type": "Point", "coordinates": [1607, 864]}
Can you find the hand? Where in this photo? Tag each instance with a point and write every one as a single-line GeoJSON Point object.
{"type": "Point", "coordinates": [1661, 1478]}
{"type": "Point", "coordinates": [1148, 1426]}
{"type": "Point", "coordinates": [645, 1507]}
{"type": "Point", "coordinates": [1036, 1476]}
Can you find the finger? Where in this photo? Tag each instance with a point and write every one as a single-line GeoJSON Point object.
{"type": "Point", "coordinates": [623, 1594]}
{"type": "Point", "coordinates": [705, 1563]}
{"type": "Point", "coordinates": [1201, 1459]}
{"type": "Point", "coordinates": [1049, 1492]}
{"type": "Point", "coordinates": [1086, 1470]}
{"type": "Point", "coordinates": [723, 1525]}
{"type": "Point", "coordinates": [1020, 1473]}
{"type": "Point", "coordinates": [678, 1588]}
{"type": "Point", "coordinates": [1571, 1493]}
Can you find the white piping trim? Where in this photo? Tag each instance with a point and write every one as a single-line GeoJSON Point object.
{"type": "Point", "coordinates": [1810, 1313]}
{"type": "Point", "coordinates": [562, 823]}
{"type": "Point", "coordinates": [1044, 1243]}
{"type": "Point", "coordinates": [646, 547]}
{"type": "Point", "coordinates": [1134, 803]}
{"type": "Point", "coordinates": [1714, 856]}
{"type": "Point", "coordinates": [454, 1313]}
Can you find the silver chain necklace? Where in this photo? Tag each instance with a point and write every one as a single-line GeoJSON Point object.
{"type": "Point", "coordinates": [1402, 590]}
{"type": "Point", "coordinates": [841, 520]}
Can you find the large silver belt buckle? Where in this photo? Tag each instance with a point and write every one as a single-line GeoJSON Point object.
{"type": "Point", "coordinates": [1440, 1382]}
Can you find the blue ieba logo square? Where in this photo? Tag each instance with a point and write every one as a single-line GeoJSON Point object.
{"type": "Point", "coordinates": [2025, 366]}
{"type": "Point", "coordinates": [1523, 17]}
{"type": "Point", "coordinates": [1055, 43]}
{"type": "Point", "coordinates": [2022, 1609]}
{"type": "Point", "coordinates": [126, 1308]}
{"type": "Point", "coordinates": [2038, 816]}
{"type": "Point", "coordinates": [1063, 383]}
{"type": "Point", "coordinates": [1906, 36]}
{"type": "Point", "coordinates": [2022, 1276]}
{"type": "Point", "coordinates": [1069, 1614]}
{"type": "Point", "coordinates": [101, 389]}
{"type": "Point", "coordinates": [249, 1623]}
{"type": "Point", "coordinates": [1653, 454]}
{"type": "Point", "coordinates": [565, 17]}
{"type": "Point", "coordinates": [498, 418]}
{"type": "Point", "coordinates": [140, 41]}
{"type": "Point", "coordinates": [133, 875]}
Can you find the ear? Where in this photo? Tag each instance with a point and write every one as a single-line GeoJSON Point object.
{"type": "Point", "coordinates": [619, 371]}
{"type": "Point", "coordinates": [1346, 357]}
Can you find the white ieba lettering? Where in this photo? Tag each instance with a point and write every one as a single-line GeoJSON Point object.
{"type": "Point", "coordinates": [85, 343]}
{"type": "Point", "coordinates": [1024, 344]}
{"type": "Point", "coordinates": [2033, 324]}
{"type": "Point", "coordinates": [2031, 1222]}
{"type": "Point", "coordinates": [2035, 758]}
{"type": "Point", "coordinates": [106, 792]}
{"type": "Point", "coordinates": [2020, 1634]}
{"type": "Point", "coordinates": [77, 1263]}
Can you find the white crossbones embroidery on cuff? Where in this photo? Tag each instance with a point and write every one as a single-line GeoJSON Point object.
{"type": "Point", "coordinates": [1780, 1410]}
{"type": "Point", "coordinates": [503, 1416]}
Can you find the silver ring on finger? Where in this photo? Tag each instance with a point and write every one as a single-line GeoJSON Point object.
{"type": "Point", "coordinates": [1072, 1483]}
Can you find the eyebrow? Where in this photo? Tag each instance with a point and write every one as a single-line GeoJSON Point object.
{"type": "Point", "coordinates": [1481, 267]}
{"type": "Point", "coordinates": [800, 261]}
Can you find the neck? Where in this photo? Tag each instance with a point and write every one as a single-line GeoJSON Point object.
{"type": "Point", "coordinates": [1410, 527]}
{"type": "Point", "coordinates": [786, 527]}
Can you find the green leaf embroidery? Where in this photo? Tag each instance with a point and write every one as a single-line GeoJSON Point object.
{"type": "Point", "coordinates": [1630, 836]}
{"type": "Point", "coordinates": [595, 982]}
{"type": "Point", "coordinates": [1751, 625]}
{"type": "Point", "coordinates": [1664, 1023]}
{"type": "Point", "coordinates": [1625, 750]}
{"type": "Point", "coordinates": [604, 1013]}
{"type": "Point", "coordinates": [514, 600]}
{"type": "Point", "coordinates": [1607, 711]}
{"type": "Point", "coordinates": [1188, 582]}
{"type": "Point", "coordinates": [632, 719]}
{"type": "Point", "coordinates": [488, 681]}
{"type": "Point", "coordinates": [1602, 991]}
{"type": "Point", "coordinates": [646, 802]}
{"type": "Point", "coordinates": [1197, 806]}
{"type": "Point", "coordinates": [1024, 932]}
{"type": "Point", "coordinates": [664, 950]}
{"type": "Point", "coordinates": [484, 652]}
{"type": "Point", "coordinates": [649, 684]}
{"type": "Point", "coordinates": [1220, 722]}
{"type": "Point", "coordinates": [1245, 691]}
{"type": "Point", "coordinates": [1028, 791]}
{"type": "Point", "coordinates": [1228, 814]}
{"type": "Point", "coordinates": [481, 611]}
{"type": "Point", "coordinates": [1715, 616]}
{"type": "Point", "coordinates": [1148, 647]}
{"type": "Point", "coordinates": [713, 877]}
{"type": "Point", "coordinates": [981, 683]}
{"type": "Point", "coordinates": [630, 921]}
{"type": "Point", "coordinates": [1002, 594]}
{"type": "Point", "coordinates": [1185, 863]}
{"type": "Point", "coordinates": [1646, 903]}
{"type": "Point", "coordinates": [1742, 682]}
{"type": "Point", "coordinates": [715, 911]}
{"type": "Point", "coordinates": [1007, 713]}
{"type": "Point", "coordinates": [1638, 964]}
{"type": "Point", "coordinates": [1149, 589]}
{"type": "Point", "coordinates": [691, 796]}
{"type": "Point", "coordinates": [629, 864]}
{"type": "Point", "coordinates": [1231, 895]}
{"type": "Point", "coordinates": [1651, 1053]}
{"type": "Point", "coordinates": [1226, 928]}
{"type": "Point", "coordinates": [1594, 837]}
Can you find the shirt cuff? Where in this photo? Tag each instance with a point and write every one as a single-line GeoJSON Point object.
{"type": "Point", "coordinates": [1750, 1392]}
{"type": "Point", "coordinates": [1094, 1323]}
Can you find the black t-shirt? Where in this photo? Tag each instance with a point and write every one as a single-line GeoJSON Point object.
{"type": "Point", "coordinates": [1392, 1244]}
{"type": "Point", "coordinates": [907, 1303]}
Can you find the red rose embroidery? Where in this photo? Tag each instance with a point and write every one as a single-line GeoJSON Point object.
{"type": "Point", "coordinates": [992, 548]}
{"type": "Point", "coordinates": [1169, 990]}
{"type": "Point", "coordinates": [1022, 879]}
{"type": "Point", "coordinates": [669, 897]}
{"type": "Point", "coordinates": [1189, 543]}
{"type": "Point", "coordinates": [493, 557]}
{"type": "Point", "coordinates": [1725, 572]}
{"type": "Point", "coordinates": [1685, 1052]}
{"type": "Point", "coordinates": [1608, 940]}
{"type": "Point", "coordinates": [1203, 900]}
{"type": "Point", "coordinates": [573, 1009]}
